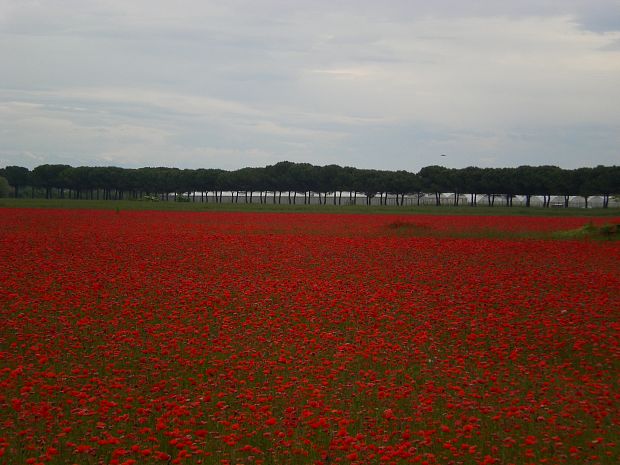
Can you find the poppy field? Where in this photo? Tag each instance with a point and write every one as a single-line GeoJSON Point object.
{"type": "Point", "coordinates": [267, 338]}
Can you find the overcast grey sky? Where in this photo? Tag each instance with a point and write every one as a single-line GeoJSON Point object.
{"type": "Point", "coordinates": [233, 83]}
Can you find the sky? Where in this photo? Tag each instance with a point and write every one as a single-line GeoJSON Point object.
{"type": "Point", "coordinates": [390, 84]}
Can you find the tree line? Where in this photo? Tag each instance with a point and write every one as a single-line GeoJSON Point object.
{"type": "Point", "coordinates": [329, 182]}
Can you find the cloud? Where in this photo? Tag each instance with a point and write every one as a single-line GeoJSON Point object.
{"type": "Point", "coordinates": [173, 102]}
{"type": "Point", "coordinates": [335, 82]}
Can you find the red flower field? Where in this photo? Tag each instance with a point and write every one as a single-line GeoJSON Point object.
{"type": "Point", "coordinates": [238, 338]}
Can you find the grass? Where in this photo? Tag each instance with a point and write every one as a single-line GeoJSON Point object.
{"type": "Point", "coordinates": [120, 205]}
{"type": "Point", "coordinates": [590, 231]}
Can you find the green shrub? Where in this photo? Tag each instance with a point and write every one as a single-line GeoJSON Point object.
{"type": "Point", "coordinates": [4, 187]}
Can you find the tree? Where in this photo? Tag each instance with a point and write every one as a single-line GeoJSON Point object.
{"type": "Point", "coordinates": [538, 180]}
{"type": "Point", "coordinates": [116, 183]}
{"type": "Point", "coordinates": [606, 181]}
{"type": "Point", "coordinates": [435, 179]}
{"type": "Point", "coordinates": [507, 179]}
{"type": "Point", "coordinates": [456, 183]}
{"type": "Point", "coordinates": [550, 179]}
{"type": "Point", "coordinates": [4, 187]}
{"type": "Point", "coordinates": [77, 179]}
{"type": "Point", "coordinates": [246, 180]}
{"type": "Point", "coordinates": [205, 181]}
{"type": "Point", "coordinates": [48, 177]}
{"type": "Point", "coordinates": [301, 176]}
{"type": "Point", "coordinates": [568, 184]}
{"type": "Point", "coordinates": [585, 183]}
{"type": "Point", "coordinates": [366, 181]}
{"type": "Point", "coordinates": [528, 182]}
{"type": "Point", "coordinates": [491, 184]}
{"type": "Point", "coordinates": [17, 176]}
{"type": "Point", "coordinates": [472, 183]}
{"type": "Point", "coordinates": [402, 183]}
{"type": "Point", "coordinates": [279, 178]}
{"type": "Point", "coordinates": [331, 180]}
{"type": "Point", "coordinates": [383, 185]}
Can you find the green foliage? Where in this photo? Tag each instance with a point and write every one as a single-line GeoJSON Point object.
{"type": "Point", "coordinates": [4, 187]}
{"type": "Point", "coordinates": [114, 183]}
{"type": "Point", "coordinates": [606, 231]}
{"type": "Point", "coordinates": [17, 176]}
